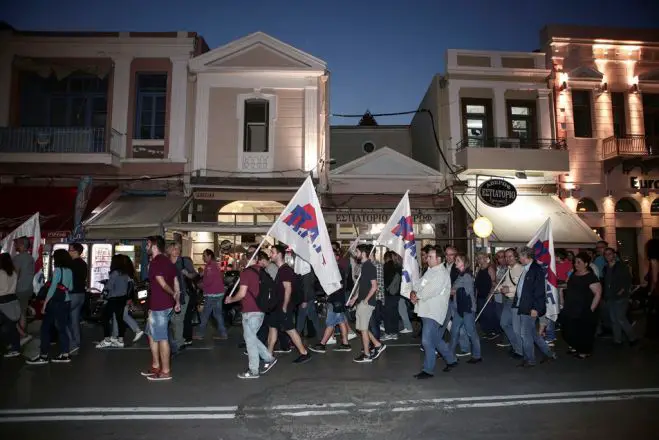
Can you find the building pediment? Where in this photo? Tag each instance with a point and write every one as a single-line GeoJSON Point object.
{"type": "Point", "coordinates": [385, 163]}
{"type": "Point", "coordinates": [256, 52]}
{"type": "Point", "coordinates": [586, 73]}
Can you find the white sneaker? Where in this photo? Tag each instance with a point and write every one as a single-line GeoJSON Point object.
{"type": "Point", "coordinates": [117, 343]}
{"type": "Point", "coordinates": [351, 335]}
{"type": "Point", "coordinates": [105, 343]}
{"type": "Point", "coordinates": [138, 336]}
{"type": "Point", "coordinates": [12, 354]}
{"type": "Point", "coordinates": [460, 354]}
{"type": "Point", "coordinates": [332, 341]}
{"type": "Point", "coordinates": [248, 375]}
{"type": "Point", "coordinates": [405, 331]}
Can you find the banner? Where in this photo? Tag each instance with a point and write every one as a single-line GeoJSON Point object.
{"type": "Point", "coordinates": [543, 245]}
{"type": "Point", "coordinates": [302, 227]}
{"type": "Point", "coordinates": [32, 230]}
{"type": "Point", "coordinates": [398, 236]}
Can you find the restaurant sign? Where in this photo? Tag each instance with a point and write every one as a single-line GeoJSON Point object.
{"type": "Point", "coordinates": [497, 193]}
{"type": "Point", "coordinates": [376, 217]}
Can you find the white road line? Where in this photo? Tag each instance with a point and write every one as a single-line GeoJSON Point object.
{"type": "Point", "coordinates": [147, 348]}
{"type": "Point", "coordinates": [107, 410]}
{"type": "Point", "coordinates": [113, 417]}
{"type": "Point", "coordinates": [554, 401]}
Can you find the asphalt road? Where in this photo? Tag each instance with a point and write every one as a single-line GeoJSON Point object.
{"type": "Point", "coordinates": [101, 395]}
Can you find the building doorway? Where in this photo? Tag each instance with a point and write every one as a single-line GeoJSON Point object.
{"type": "Point", "coordinates": [627, 241]}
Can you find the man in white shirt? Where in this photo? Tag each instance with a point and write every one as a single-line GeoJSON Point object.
{"type": "Point", "coordinates": [508, 288]}
{"type": "Point", "coordinates": [431, 302]}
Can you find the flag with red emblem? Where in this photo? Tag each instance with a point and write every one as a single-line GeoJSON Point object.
{"type": "Point", "coordinates": [301, 226]}
{"type": "Point", "coordinates": [543, 245]}
{"type": "Point", "coordinates": [32, 230]}
{"type": "Point", "coordinates": [398, 236]}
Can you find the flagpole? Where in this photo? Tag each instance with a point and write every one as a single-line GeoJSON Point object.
{"type": "Point", "coordinates": [352, 293]}
{"type": "Point", "coordinates": [492, 294]}
{"type": "Point", "coordinates": [251, 259]}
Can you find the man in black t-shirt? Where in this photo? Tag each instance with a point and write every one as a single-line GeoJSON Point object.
{"type": "Point", "coordinates": [77, 294]}
{"type": "Point", "coordinates": [365, 300]}
{"type": "Point", "coordinates": [282, 317]}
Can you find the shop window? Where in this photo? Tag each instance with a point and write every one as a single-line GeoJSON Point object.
{"type": "Point", "coordinates": [654, 207]}
{"type": "Point", "coordinates": [626, 205]}
{"type": "Point", "coordinates": [586, 205]}
{"type": "Point", "coordinates": [581, 114]}
{"type": "Point", "coordinates": [250, 212]}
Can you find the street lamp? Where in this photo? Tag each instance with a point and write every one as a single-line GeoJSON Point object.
{"type": "Point", "coordinates": [483, 227]}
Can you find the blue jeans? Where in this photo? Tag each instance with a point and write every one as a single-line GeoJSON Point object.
{"type": "Point", "coordinates": [431, 339]}
{"type": "Point", "coordinates": [252, 322]}
{"type": "Point", "coordinates": [73, 330]}
{"type": "Point", "coordinates": [463, 340]}
{"type": "Point", "coordinates": [213, 305]}
{"type": "Point", "coordinates": [550, 330]}
{"type": "Point", "coordinates": [404, 314]}
{"type": "Point", "coordinates": [176, 340]}
{"type": "Point", "coordinates": [128, 319]}
{"type": "Point", "coordinates": [376, 319]}
{"type": "Point", "coordinates": [57, 313]}
{"type": "Point", "coordinates": [468, 322]}
{"type": "Point", "coordinates": [309, 311]}
{"type": "Point", "coordinates": [157, 325]}
{"type": "Point", "coordinates": [530, 337]}
{"type": "Point", "coordinates": [508, 320]}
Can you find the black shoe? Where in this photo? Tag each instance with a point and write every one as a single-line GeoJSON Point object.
{"type": "Point", "coordinates": [303, 359]}
{"type": "Point", "coordinates": [319, 348]}
{"type": "Point", "coordinates": [363, 358]}
{"type": "Point", "coordinates": [343, 347]}
{"type": "Point", "coordinates": [424, 375]}
{"type": "Point", "coordinates": [449, 367]}
{"type": "Point", "coordinates": [475, 361]}
{"type": "Point", "coordinates": [62, 359]}
{"type": "Point", "coordinates": [377, 351]}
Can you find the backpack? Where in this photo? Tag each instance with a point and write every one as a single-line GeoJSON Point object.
{"type": "Point", "coordinates": [266, 299]}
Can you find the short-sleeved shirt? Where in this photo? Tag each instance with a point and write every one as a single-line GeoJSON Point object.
{"type": "Point", "coordinates": [250, 277]}
{"type": "Point", "coordinates": [159, 299]}
{"type": "Point", "coordinates": [578, 296]}
{"type": "Point", "coordinates": [24, 264]}
{"type": "Point", "coordinates": [368, 273]}
{"type": "Point", "coordinates": [79, 269]}
{"type": "Point", "coordinates": [285, 273]}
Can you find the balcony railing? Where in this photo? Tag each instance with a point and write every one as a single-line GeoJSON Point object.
{"type": "Point", "coordinates": [68, 140]}
{"type": "Point", "coordinates": [630, 145]}
{"type": "Point", "coordinates": [513, 143]}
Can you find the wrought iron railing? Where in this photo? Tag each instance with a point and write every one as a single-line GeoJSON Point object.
{"type": "Point", "coordinates": [76, 140]}
{"type": "Point", "coordinates": [513, 143]}
{"type": "Point", "coordinates": [630, 145]}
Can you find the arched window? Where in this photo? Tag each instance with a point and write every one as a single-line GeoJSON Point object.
{"type": "Point", "coordinates": [250, 212]}
{"type": "Point", "coordinates": [626, 205]}
{"type": "Point", "coordinates": [654, 207]}
{"type": "Point", "coordinates": [586, 205]}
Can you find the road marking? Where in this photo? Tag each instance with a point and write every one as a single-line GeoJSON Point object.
{"type": "Point", "coordinates": [316, 410]}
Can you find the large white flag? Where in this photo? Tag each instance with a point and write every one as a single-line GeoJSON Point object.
{"type": "Point", "coordinates": [32, 230]}
{"type": "Point", "coordinates": [398, 236]}
{"type": "Point", "coordinates": [301, 226]}
{"type": "Point", "coordinates": [543, 245]}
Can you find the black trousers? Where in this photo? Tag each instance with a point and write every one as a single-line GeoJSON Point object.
{"type": "Point", "coordinates": [190, 313]}
{"type": "Point", "coordinates": [579, 332]}
{"type": "Point", "coordinates": [391, 317]}
{"type": "Point", "coordinates": [114, 307]}
{"type": "Point", "coordinates": [283, 339]}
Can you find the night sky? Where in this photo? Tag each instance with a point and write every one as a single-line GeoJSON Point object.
{"type": "Point", "coordinates": [382, 54]}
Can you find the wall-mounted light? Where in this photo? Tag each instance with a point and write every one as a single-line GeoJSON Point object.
{"type": "Point", "coordinates": [634, 85]}
{"type": "Point", "coordinates": [562, 80]}
{"type": "Point", "coordinates": [520, 175]}
{"type": "Point", "coordinates": [604, 87]}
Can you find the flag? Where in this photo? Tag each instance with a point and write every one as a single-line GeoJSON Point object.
{"type": "Point", "coordinates": [82, 197]}
{"type": "Point", "coordinates": [398, 236]}
{"type": "Point", "coordinates": [543, 245]}
{"type": "Point", "coordinates": [301, 226]}
{"type": "Point", "coordinates": [32, 230]}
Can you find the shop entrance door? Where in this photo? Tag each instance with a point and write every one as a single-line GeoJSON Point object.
{"type": "Point", "coordinates": [627, 239]}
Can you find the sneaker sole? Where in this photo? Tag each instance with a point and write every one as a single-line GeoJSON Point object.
{"type": "Point", "coordinates": [61, 361]}
{"type": "Point", "coordinates": [380, 351]}
{"type": "Point", "coordinates": [159, 379]}
{"type": "Point", "coordinates": [345, 350]}
{"type": "Point", "coordinates": [318, 351]}
{"type": "Point", "coordinates": [365, 361]}
{"type": "Point", "coordinates": [272, 364]}
{"type": "Point", "coordinates": [240, 376]}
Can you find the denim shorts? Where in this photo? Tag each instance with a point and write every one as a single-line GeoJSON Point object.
{"type": "Point", "coordinates": [158, 324]}
{"type": "Point", "coordinates": [334, 319]}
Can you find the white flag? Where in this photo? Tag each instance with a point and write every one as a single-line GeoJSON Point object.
{"type": "Point", "coordinates": [398, 236]}
{"type": "Point", "coordinates": [301, 226]}
{"type": "Point", "coordinates": [32, 230]}
{"type": "Point", "coordinates": [543, 245]}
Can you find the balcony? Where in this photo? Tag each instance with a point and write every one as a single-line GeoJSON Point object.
{"type": "Point", "coordinates": [501, 156]}
{"type": "Point", "coordinates": [66, 145]}
{"type": "Point", "coordinates": [631, 151]}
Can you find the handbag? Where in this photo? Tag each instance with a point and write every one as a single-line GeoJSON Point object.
{"type": "Point", "coordinates": [60, 290]}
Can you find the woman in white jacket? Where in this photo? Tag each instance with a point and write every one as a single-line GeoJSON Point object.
{"type": "Point", "coordinates": [430, 298]}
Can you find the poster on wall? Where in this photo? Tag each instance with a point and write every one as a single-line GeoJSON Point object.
{"type": "Point", "coordinates": [100, 264]}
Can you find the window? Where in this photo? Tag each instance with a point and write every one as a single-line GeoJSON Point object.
{"type": "Point", "coordinates": [78, 100]}
{"type": "Point", "coordinates": [151, 106]}
{"type": "Point", "coordinates": [583, 125]}
{"type": "Point", "coordinates": [586, 205]}
{"type": "Point", "coordinates": [476, 121]}
{"type": "Point", "coordinates": [618, 111]}
{"type": "Point", "coordinates": [257, 116]}
{"type": "Point", "coordinates": [521, 120]}
{"type": "Point", "coordinates": [626, 205]}
{"type": "Point", "coordinates": [654, 207]}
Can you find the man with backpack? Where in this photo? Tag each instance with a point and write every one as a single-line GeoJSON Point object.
{"type": "Point", "coordinates": [281, 316]}
{"type": "Point", "coordinates": [254, 293]}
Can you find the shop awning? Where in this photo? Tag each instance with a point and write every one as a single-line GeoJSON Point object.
{"type": "Point", "coordinates": [134, 217]}
{"type": "Point", "coordinates": [514, 225]}
{"type": "Point", "coordinates": [56, 206]}
{"type": "Point", "coordinates": [228, 229]}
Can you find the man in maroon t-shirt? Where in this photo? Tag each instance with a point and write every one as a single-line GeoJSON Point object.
{"type": "Point", "coordinates": [252, 317]}
{"type": "Point", "coordinates": [163, 300]}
